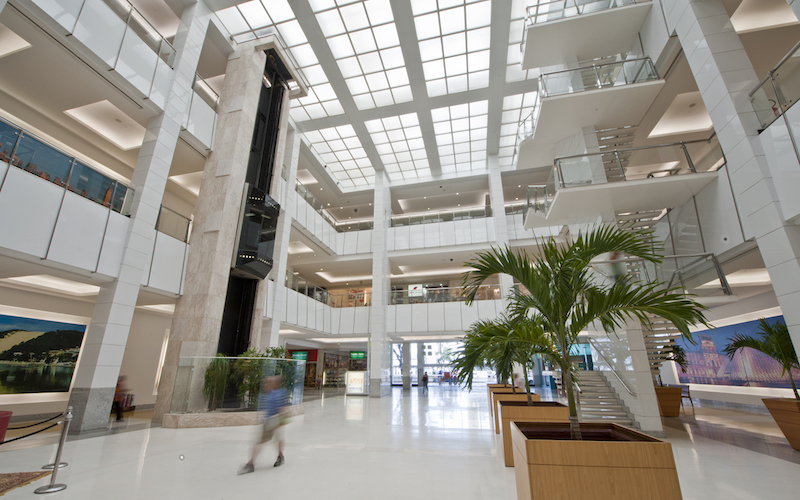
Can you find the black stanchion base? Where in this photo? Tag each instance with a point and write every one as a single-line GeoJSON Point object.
{"type": "Point", "coordinates": [50, 488]}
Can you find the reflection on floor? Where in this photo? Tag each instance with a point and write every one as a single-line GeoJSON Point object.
{"type": "Point", "coordinates": [399, 447]}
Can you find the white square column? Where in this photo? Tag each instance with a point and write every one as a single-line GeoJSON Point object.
{"type": "Point", "coordinates": [107, 335]}
{"type": "Point", "coordinates": [379, 344]}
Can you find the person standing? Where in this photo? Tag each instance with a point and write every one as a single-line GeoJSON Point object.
{"type": "Point", "coordinates": [272, 405]}
{"type": "Point", "coordinates": [518, 382]}
{"type": "Point", "coordinates": [119, 397]}
{"type": "Point", "coordinates": [425, 383]}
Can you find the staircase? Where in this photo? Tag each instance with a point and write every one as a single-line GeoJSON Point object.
{"type": "Point", "coordinates": [599, 402]}
{"type": "Point", "coordinates": [659, 338]}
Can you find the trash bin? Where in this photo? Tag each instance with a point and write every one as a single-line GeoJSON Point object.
{"type": "Point", "coordinates": [5, 417]}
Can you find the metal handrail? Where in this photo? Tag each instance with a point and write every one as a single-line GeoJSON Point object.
{"type": "Point", "coordinates": [594, 67]}
{"type": "Point", "coordinates": [575, 6]}
{"type": "Point", "coordinates": [597, 349]}
{"type": "Point", "coordinates": [774, 69]}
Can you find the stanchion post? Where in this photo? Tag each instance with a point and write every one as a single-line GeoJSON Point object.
{"type": "Point", "coordinates": [53, 486]}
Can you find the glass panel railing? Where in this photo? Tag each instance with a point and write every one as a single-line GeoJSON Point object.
{"type": "Point", "coordinates": [597, 76]}
{"type": "Point", "coordinates": [141, 26]}
{"type": "Point", "coordinates": [552, 10]}
{"type": "Point", "coordinates": [528, 124]}
{"type": "Point", "coordinates": [205, 92]}
{"type": "Point", "coordinates": [226, 384]}
{"type": "Point", "coordinates": [779, 89]}
{"type": "Point", "coordinates": [699, 274]}
{"type": "Point", "coordinates": [173, 224]}
{"type": "Point", "coordinates": [516, 208]}
{"type": "Point", "coordinates": [537, 200]}
{"type": "Point", "coordinates": [455, 294]}
{"type": "Point", "coordinates": [431, 218]}
{"type": "Point", "coordinates": [639, 163]}
{"type": "Point", "coordinates": [32, 154]}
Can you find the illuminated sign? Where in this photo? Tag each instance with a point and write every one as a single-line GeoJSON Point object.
{"type": "Point", "coordinates": [358, 355]}
{"type": "Point", "coordinates": [300, 355]}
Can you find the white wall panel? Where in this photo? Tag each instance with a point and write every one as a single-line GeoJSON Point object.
{"type": "Point", "coordinates": [391, 316]}
{"type": "Point", "coordinates": [782, 159]}
{"type": "Point", "coordinates": [113, 245]}
{"type": "Point", "coordinates": [490, 234]}
{"type": "Point", "coordinates": [416, 236]}
{"type": "Point", "coordinates": [452, 316]}
{"type": "Point", "coordinates": [487, 309]}
{"type": "Point", "coordinates": [347, 320]}
{"type": "Point", "coordinates": [350, 242]}
{"type": "Point", "coordinates": [100, 30]}
{"type": "Point", "coordinates": [419, 317]}
{"type": "Point", "coordinates": [447, 233]}
{"type": "Point", "coordinates": [717, 213]}
{"type": "Point", "coordinates": [478, 230]}
{"type": "Point", "coordinates": [311, 317]}
{"type": "Point", "coordinates": [469, 314]}
{"type": "Point", "coordinates": [291, 306]}
{"type": "Point", "coordinates": [403, 319]}
{"type": "Point", "coordinates": [436, 317]}
{"type": "Point", "coordinates": [336, 320]}
{"type": "Point", "coordinates": [401, 237]}
{"type": "Point", "coordinates": [302, 209]}
{"type": "Point", "coordinates": [79, 232]}
{"type": "Point", "coordinates": [137, 63]}
{"type": "Point", "coordinates": [390, 239]}
{"type": "Point", "coordinates": [361, 321]}
{"type": "Point", "coordinates": [269, 307]}
{"type": "Point", "coordinates": [319, 313]}
{"type": "Point", "coordinates": [29, 205]}
{"type": "Point", "coordinates": [463, 236]}
{"type": "Point", "coordinates": [339, 244]}
{"type": "Point", "coordinates": [431, 235]}
{"type": "Point", "coordinates": [3, 170]}
{"type": "Point", "coordinates": [302, 309]}
{"type": "Point", "coordinates": [364, 241]}
{"type": "Point", "coordinates": [167, 266]}
{"type": "Point", "coordinates": [327, 312]}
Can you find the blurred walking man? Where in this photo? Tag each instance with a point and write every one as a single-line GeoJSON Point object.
{"type": "Point", "coordinates": [272, 407]}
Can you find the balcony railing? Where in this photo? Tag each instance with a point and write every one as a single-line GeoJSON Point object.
{"type": "Point", "coordinates": [697, 274]}
{"type": "Point", "coordinates": [594, 77]}
{"type": "Point", "coordinates": [546, 10]}
{"type": "Point", "coordinates": [779, 90]}
{"type": "Point", "coordinates": [434, 217]}
{"type": "Point", "coordinates": [173, 224]}
{"type": "Point", "coordinates": [455, 294]}
{"type": "Point", "coordinates": [142, 27]}
{"type": "Point", "coordinates": [21, 149]}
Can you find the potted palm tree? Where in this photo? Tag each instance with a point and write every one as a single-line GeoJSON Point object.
{"type": "Point", "coordinates": [560, 291]}
{"type": "Point", "coordinates": [669, 398]}
{"type": "Point", "coordinates": [774, 341]}
{"type": "Point", "coordinates": [504, 342]}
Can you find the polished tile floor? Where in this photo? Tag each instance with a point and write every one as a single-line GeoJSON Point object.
{"type": "Point", "coordinates": [399, 447]}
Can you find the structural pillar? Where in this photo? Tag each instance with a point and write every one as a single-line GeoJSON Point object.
{"type": "Point", "coordinates": [724, 76]}
{"type": "Point", "coordinates": [379, 344]}
{"type": "Point", "coordinates": [198, 313]}
{"type": "Point", "coordinates": [420, 361]}
{"type": "Point", "coordinates": [406, 366]}
{"type": "Point", "coordinates": [497, 200]}
{"type": "Point", "coordinates": [104, 347]}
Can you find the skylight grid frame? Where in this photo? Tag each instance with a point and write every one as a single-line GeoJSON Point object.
{"type": "Point", "coordinates": [515, 108]}
{"type": "Point", "coordinates": [454, 39]}
{"type": "Point", "coordinates": [461, 136]}
{"type": "Point", "coordinates": [398, 140]}
{"type": "Point", "coordinates": [343, 156]}
{"type": "Point", "coordinates": [516, 35]}
{"type": "Point", "coordinates": [363, 39]}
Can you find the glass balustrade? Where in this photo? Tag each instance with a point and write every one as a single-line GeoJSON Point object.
{"type": "Point", "coordinates": [552, 10]}
{"type": "Point", "coordinates": [228, 384]}
{"type": "Point", "coordinates": [638, 163]}
{"type": "Point", "coordinates": [455, 294]}
{"type": "Point", "coordinates": [205, 92]}
{"type": "Point", "coordinates": [24, 150]}
{"type": "Point", "coordinates": [779, 89]}
{"type": "Point", "coordinates": [137, 23]}
{"type": "Point", "coordinates": [537, 199]}
{"type": "Point", "coordinates": [173, 224]}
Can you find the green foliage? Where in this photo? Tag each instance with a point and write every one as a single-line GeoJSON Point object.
{"type": "Point", "coordinates": [250, 372]}
{"type": "Point", "coordinates": [216, 380]}
{"type": "Point", "coordinates": [774, 341]}
{"type": "Point", "coordinates": [562, 295]}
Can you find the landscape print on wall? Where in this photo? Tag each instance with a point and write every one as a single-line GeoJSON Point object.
{"type": "Point", "coordinates": [37, 355]}
{"type": "Point", "coordinates": [709, 365]}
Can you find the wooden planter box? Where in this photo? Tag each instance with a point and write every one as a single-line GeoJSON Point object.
{"type": "Point", "coordinates": [611, 462]}
{"type": "Point", "coordinates": [508, 397]}
{"type": "Point", "coordinates": [515, 411]}
{"type": "Point", "coordinates": [495, 390]}
{"type": "Point", "coordinates": [669, 401]}
{"type": "Point", "coordinates": [786, 413]}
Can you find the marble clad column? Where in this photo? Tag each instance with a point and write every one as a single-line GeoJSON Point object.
{"type": "Point", "coordinates": [499, 216]}
{"type": "Point", "coordinates": [270, 336]}
{"type": "Point", "coordinates": [420, 361]}
{"type": "Point", "coordinates": [198, 313]}
{"type": "Point", "coordinates": [379, 344]}
{"type": "Point", "coordinates": [406, 366]}
{"type": "Point", "coordinates": [724, 77]}
{"type": "Point", "coordinates": [107, 335]}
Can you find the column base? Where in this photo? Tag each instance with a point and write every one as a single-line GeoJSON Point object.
{"type": "Point", "coordinates": [379, 389]}
{"type": "Point", "coordinates": [90, 408]}
{"type": "Point", "coordinates": [406, 383]}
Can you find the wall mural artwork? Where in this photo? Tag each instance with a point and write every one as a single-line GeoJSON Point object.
{"type": "Point", "coordinates": [709, 365]}
{"type": "Point", "coordinates": [37, 355]}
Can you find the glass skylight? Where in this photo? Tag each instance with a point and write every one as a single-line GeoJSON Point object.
{"type": "Point", "coordinates": [398, 140]}
{"type": "Point", "coordinates": [343, 156]}
{"type": "Point", "coordinates": [363, 39]}
{"type": "Point", "coordinates": [259, 18]}
{"type": "Point", "coordinates": [461, 136]}
{"type": "Point", "coordinates": [453, 44]}
{"type": "Point", "coordinates": [515, 108]}
{"type": "Point", "coordinates": [514, 71]}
